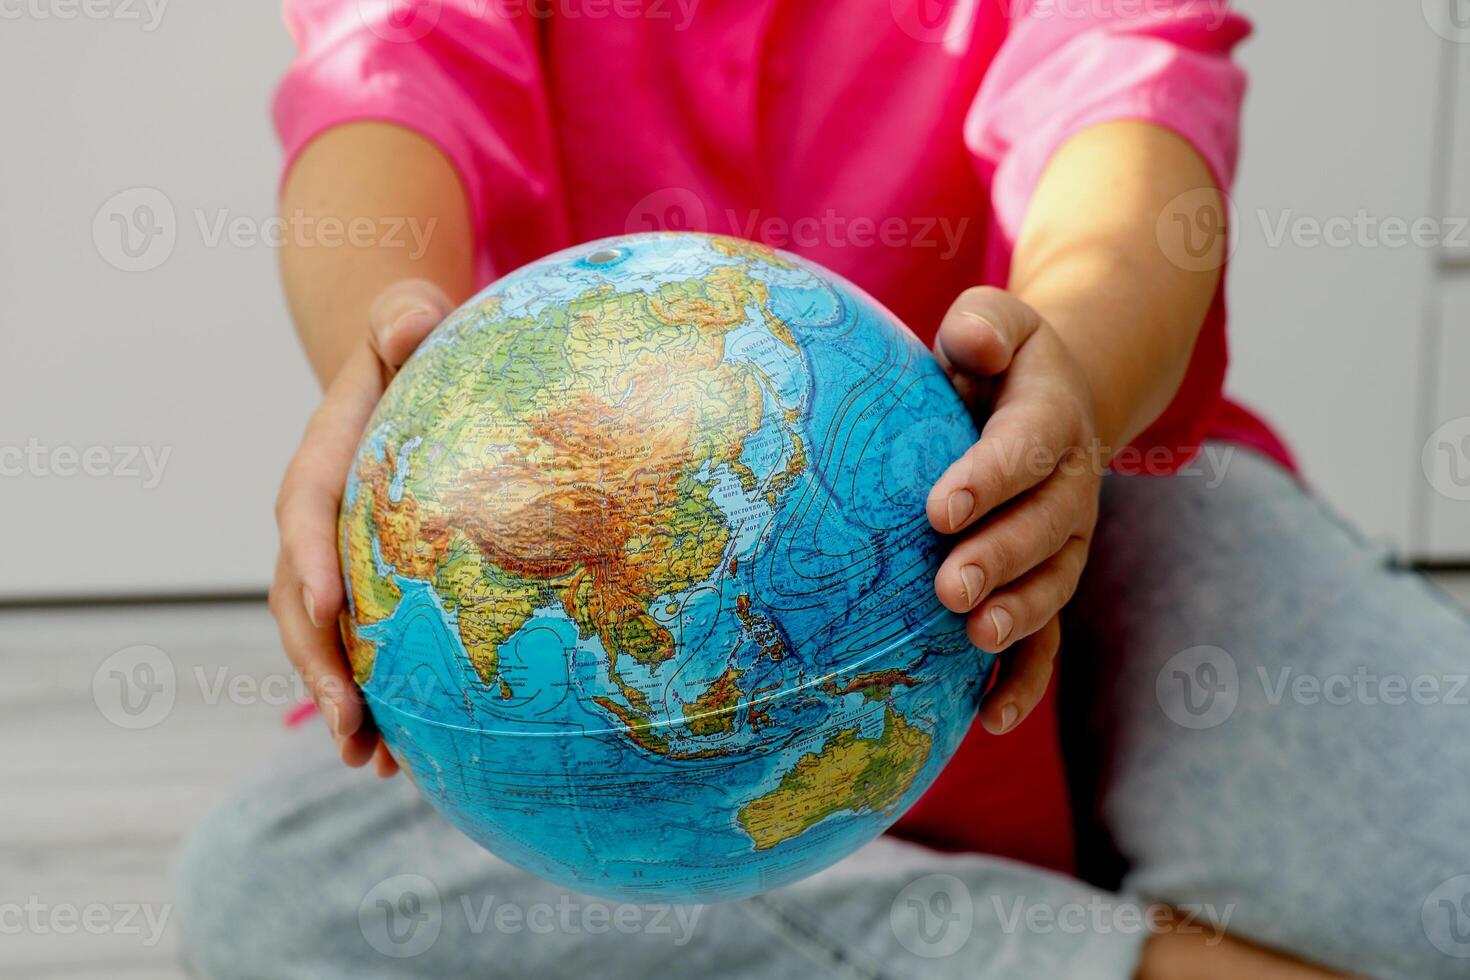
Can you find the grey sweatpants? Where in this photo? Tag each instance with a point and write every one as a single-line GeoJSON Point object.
{"type": "Point", "coordinates": [1269, 728]}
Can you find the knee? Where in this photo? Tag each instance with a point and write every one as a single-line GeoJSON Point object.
{"type": "Point", "coordinates": [229, 891]}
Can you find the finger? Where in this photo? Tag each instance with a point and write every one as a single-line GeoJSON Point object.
{"type": "Point", "coordinates": [1018, 612]}
{"type": "Point", "coordinates": [1026, 673]}
{"type": "Point", "coordinates": [983, 330]}
{"type": "Point", "coordinates": [975, 391]}
{"type": "Point", "coordinates": [402, 316]}
{"type": "Point", "coordinates": [1019, 447]}
{"type": "Point", "coordinates": [1015, 540]}
{"type": "Point", "coordinates": [317, 655]}
{"type": "Point", "coordinates": [311, 491]}
{"type": "Point", "coordinates": [383, 762]}
{"type": "Point", "coordinates": [361, 747]}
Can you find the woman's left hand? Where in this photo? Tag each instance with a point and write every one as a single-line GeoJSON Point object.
{"type": "Point", "coordinates": [1024, 499]}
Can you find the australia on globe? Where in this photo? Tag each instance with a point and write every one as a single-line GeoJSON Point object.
{"type": "Point", "coordinates": [640, 583]}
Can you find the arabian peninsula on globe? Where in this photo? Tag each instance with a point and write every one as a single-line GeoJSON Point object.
{"type": "Point", "coordinates": [640, 580]}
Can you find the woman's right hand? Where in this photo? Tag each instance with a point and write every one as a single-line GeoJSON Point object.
{"type": "Point", "coordinates": [307, 595]}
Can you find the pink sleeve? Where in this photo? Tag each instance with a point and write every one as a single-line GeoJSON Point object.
{"type": "Point", "coordinates": [469, 83]}
{"type": "Point", "coordinates": [1065, 66]}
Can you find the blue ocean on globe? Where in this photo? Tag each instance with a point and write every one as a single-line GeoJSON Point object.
{"type": "Point", "coordinates": [640, 580]}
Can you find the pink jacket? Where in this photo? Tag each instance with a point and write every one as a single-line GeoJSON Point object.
{"type": "Point", "coordinates": [895, 141]}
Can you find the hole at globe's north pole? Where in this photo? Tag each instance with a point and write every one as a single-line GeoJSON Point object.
{"type": "Point", "coordinates": [603, 256]}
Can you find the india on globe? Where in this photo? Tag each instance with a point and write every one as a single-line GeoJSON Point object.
{"type": "Point", "coordinates": [640, 583]}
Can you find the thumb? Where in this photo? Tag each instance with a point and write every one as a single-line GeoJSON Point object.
{"type": "Point", "coordinates": [983, 330]}
{"type": "Point", "coordinates": [402, 316]}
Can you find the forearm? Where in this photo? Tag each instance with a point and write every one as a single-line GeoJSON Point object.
{"type": "Point", "coordinates": [1090, 261]}
{"type": "Point", "coordinates": [412, 222]}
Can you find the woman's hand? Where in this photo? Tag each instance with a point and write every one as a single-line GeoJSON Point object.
{"type": "Point", "coordinates": [307, 594]}
{"type": "Point", "coordinates": [1024, 498]}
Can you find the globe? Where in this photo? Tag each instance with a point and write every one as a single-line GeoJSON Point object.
{"type": "Point", "coordinates": [640, 583]}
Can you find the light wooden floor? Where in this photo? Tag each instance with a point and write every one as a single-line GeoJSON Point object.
{"type": "Point", "coordinates": [91, 811]}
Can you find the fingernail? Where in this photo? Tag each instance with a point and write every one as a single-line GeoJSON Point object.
{"type": "Point", "coordinates": [333, 715]}
{"type": "Point", "coordinates": [1008, 716]}
{"type": "Point", "coordinates": [961, 502]}
{"type": "Point", "coordinates": [309, 601]}
{"type": "Point", "coordinates": [413, 312]}
{"type": "Point", "coordinates": [973, 579]}
{"type": "Point", "coordinates": [1002, 622]}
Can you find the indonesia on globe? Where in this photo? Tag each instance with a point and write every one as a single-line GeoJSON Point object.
{"type": "Point", "coordinates": [640, 580]}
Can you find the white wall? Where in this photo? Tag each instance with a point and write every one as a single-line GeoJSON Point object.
{"type": "Point", "coordinates": [195, 356]}
{"type": "Point", "coordinates": [1442, 525]}
{"type": "Point", "coordinates": [1328, 341]}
